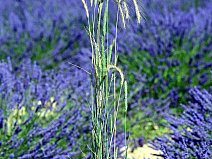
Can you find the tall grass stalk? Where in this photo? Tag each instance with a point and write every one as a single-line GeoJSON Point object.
{"type": "Point", "coordinates": [105, 93]}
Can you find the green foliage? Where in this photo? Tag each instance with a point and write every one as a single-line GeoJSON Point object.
{"type": "Point", "coordinates": [139, 62]}
{"type": "Point", "coordinates": [142, 63]}
{"type": "Point", "coordinates": [42, 117]}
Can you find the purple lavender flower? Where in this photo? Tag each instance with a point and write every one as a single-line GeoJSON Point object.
{"type": "Point", "coordinates": [45, 130]}
{"type": "Point", "coordinates": [43, 113]}
{"type": "Point", "coordinates": [190, 135]}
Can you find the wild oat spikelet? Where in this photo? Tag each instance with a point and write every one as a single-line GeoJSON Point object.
{"type": "Point", "coordinates": [86, 8]}
{"type": "Point", "coordinates": [91, 2]}
{"type": "Point", "coordinates": [125, 7]}
{"type": "Point", "coordinates": [118, 70]}
{"type": "Point", "coordinates": [138, 14]}
{"type": "Point", "coordinates": [122, 15]}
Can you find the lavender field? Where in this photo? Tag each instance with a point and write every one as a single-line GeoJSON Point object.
{"type": "Point", "coordinates": [46, 78]}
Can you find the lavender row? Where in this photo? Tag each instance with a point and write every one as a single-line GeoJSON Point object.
{"type": "Point", "coordinates": [40, 116]}
{"type": "Point", "coordinates": [45, 114]}
{"type": "Point", "coordinates": [167, 55]}
{"type": "Point", "coordinates": [190, 133]}
{"type": "Point", "coordinates": [53, 31]}
{"type": "Point", "coordinates": [46, 31]}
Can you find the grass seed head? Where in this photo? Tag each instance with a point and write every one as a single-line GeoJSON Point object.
{"type": "Point", "coordinates": [86, 7]}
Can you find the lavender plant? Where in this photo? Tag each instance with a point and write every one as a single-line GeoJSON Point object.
{"type": "Point", "coordinates": [190, 135]}
{"type": "Point", "coordinates": [48, 32]}
{"type": "Point", "coordinates": [172, 51]}
{"type": "Point", "coordinates": [164, 60]}
{"type": "Point", "coordinates": [161, 72]}
{"type": "Point", "coordinates": [39, 116]}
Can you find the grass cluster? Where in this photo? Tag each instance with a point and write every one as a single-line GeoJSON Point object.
{"type": "Point", "coordinates": [105, 93]}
